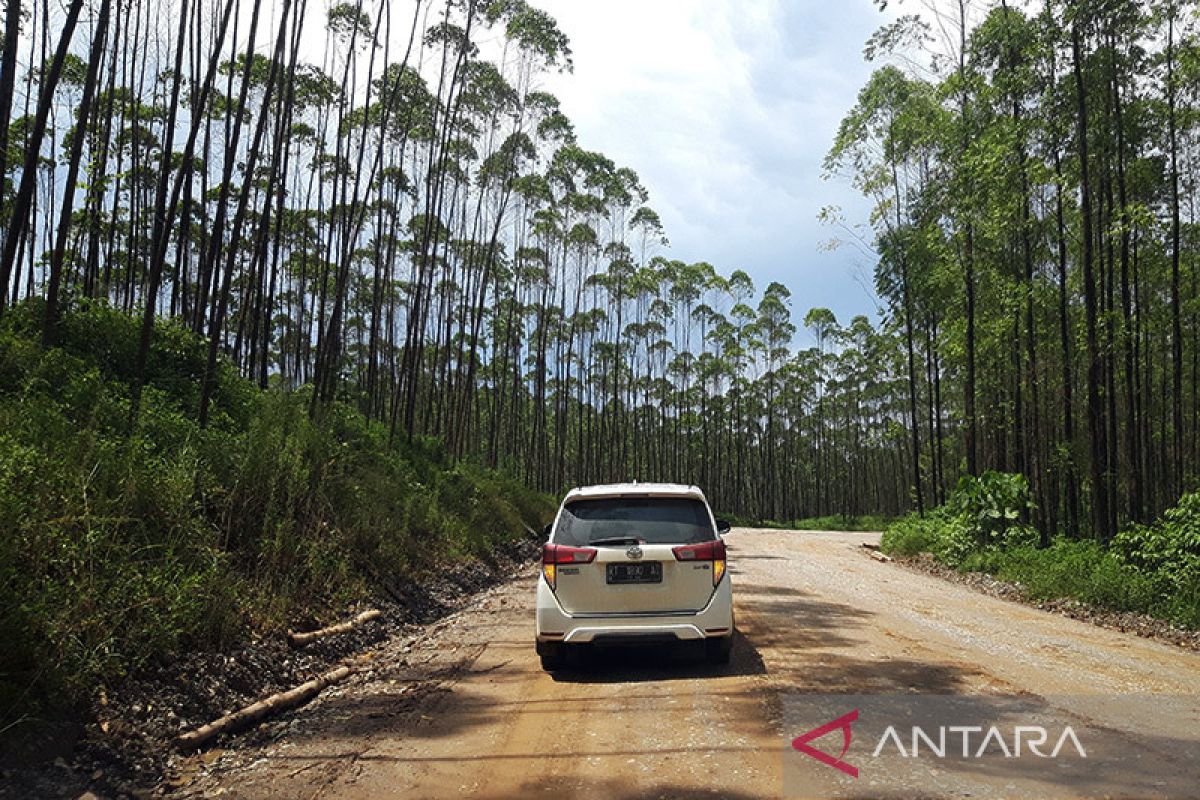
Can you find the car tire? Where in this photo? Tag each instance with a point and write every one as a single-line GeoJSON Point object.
{"type": "Point", "coordinates": [550, 654]}
{"type": "Point", "coordinates": [718, 650]}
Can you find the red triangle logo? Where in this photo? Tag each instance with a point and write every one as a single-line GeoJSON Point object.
{"type": "Point", "coordinates": [801, 743]}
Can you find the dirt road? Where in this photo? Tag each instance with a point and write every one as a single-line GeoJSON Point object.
{"type": "Point", "coordinates": [468, 712]}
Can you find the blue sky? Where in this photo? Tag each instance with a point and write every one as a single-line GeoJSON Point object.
{"type": "Point", "coordinates": [726, 109]}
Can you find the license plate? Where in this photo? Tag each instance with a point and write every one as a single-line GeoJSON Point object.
{"type": "Point", "coordinates": [650, 572]}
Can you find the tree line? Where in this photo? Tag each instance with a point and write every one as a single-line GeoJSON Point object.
{"type": "Point", "coordinates": [408, 223]}
{"type": "Point", "coordinates": [1034, 171]}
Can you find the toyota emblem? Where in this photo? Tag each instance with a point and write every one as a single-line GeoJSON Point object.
{"type": "Point", "coordinates": [634, 552]}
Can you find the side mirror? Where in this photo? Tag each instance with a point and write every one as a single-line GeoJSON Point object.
{"type": "Point", "coordinates": [546, 531]}
{"type": "Point", "coordinates": [722, 527]}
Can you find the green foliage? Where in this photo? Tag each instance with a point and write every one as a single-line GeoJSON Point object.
{"type": "Point", "coordinates": [983, 512]}
{"type": "Point", "coordinates": [120, 547]}
{"type": "Point", "coordinates": [1082, 571]}
{"type": "Point", "coordinates": [1151, 569]}
{"type": "Point", "coordinates": [991, 178]}
{"type": "Point", "coordinates": [914, 534]}
{"type": "Point", "coordinates": [838, 522]}
{"type": "Point", "coordinates": [949, 537]}
{"type": "Point", "coordinates": [1168, 549]}
{"type": "Point", "coordinates": [991, 506]}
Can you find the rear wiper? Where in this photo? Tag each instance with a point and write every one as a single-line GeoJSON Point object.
{"type": "Point", "coordinates": [616, 540]}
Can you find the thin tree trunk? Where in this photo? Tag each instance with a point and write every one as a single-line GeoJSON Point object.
{"type": "Point", "coordinates": [58, 254]}
{"type": "Point", "coordinates": [1097, 431]}
{"type": "Point", "coordinates": [19, 219]}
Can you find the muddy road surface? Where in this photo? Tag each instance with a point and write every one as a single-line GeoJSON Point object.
{"type": "Point", "coordinates": [466, 711]}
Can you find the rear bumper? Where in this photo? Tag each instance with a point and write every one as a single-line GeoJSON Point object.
{"type": "Point", "coordinates": [555, 625]}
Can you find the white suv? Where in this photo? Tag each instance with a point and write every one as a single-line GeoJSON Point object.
{"type": "Point", "coordinates": [634, 563]}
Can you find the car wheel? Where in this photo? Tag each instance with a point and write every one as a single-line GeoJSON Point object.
{"type": "Point", "coordinates": [717, 651]}
{"type": "Point", "coordinates": [550, 654]}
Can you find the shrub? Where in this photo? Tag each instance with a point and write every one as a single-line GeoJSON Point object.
{"type": "Point", "coordinates": [913, 534]}
{"type": "Point", "coordinates": [981, 513]}
{"type": "Point", "coordinates": [1170, 547]}
{"type": "Point", "coordinates": [992, 506]}
{"type": "Point", "coordinates": [1152, 569]}
{"type": "Point", "coordinates": [1083, 571]}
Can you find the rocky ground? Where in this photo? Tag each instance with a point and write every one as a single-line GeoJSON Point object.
{"type": "Point", "coordinates": [123, 744]}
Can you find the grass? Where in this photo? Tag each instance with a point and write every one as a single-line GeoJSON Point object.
{"type": "Point", "coordinates": [120, 547]}
{"type": "Point", "coordinates": [866, 522]}
{"type": "Point", "coordinates": [1152, 570]}
{"type": "Point", "coordinates": [837, 522]}
{"type": "Point", "coordinates": [1081, 571]}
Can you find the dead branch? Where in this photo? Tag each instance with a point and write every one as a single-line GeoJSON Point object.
{"type": "Point", "coordinates": [301, 639]}
{"type": "Point", "coordinates": [256, 712]}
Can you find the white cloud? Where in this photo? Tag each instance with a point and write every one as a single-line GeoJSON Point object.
{"type": "Point", "coordinates": [726, 109]}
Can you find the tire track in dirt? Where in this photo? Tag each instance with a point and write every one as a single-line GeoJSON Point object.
{"type": "Point", "coordinates": [467, 711]}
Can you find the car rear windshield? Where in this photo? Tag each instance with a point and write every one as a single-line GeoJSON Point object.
{"type": "Point", "coordinates": [651, 520]}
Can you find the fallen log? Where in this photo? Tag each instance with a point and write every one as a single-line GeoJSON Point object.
{"type": "Point", "coordinates": [262, 709]}
{"type": "Point", "coordinates": [870, 545]}
{"type": "Point", "coordinates": [301, 639]}
{"type": "Point", "coordinates": [878, 556]}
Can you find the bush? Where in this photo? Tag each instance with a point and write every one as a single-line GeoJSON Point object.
{"type": "Point", "coordinates": [992, 506]}
{"type": "Point", "coordinates": [1083, 571]}
{"type": "Point", "coordinates": [1151, 569]}
{"type": "Point", "coordinates": [1170, 547]}
{"type": "Point", "coordinates": [913, 534]}
{"type": "Point", "coordinates": [981, 513]}
{"type": "Point", "coordinates": [1168, 553]}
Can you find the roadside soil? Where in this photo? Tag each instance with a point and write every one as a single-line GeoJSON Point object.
{"type": "Point", "coordinates": [122, 744]}
{"type": "Point", "coordinates": [1126, 621]}
{"type": "Point", "coordinates": [464, 710]}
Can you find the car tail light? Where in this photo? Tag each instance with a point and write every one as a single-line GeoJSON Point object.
{"type": "Point", "coordinates": [708, 551]}
{"type": "Point", "coordinates": [555, 554]}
